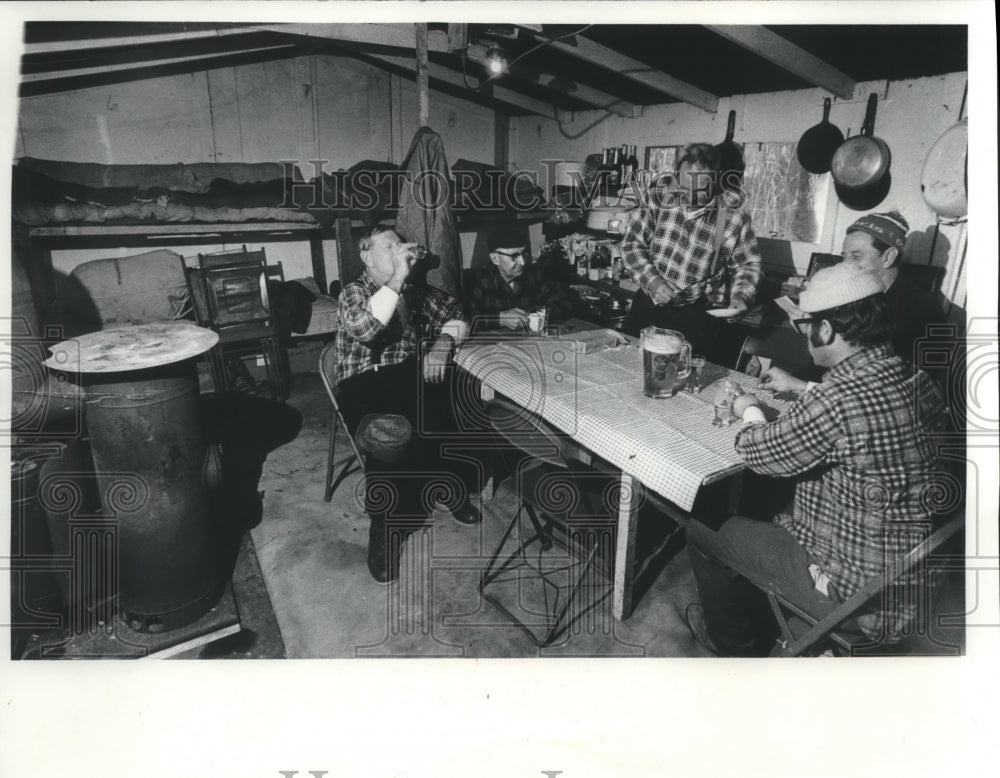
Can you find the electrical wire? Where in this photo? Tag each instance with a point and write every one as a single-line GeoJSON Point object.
{"type": "Point", "coordinates": [549, 42]}
{"type": "Point", "coordinates": [518, 58]}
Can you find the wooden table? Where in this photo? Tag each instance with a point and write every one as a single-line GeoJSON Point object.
{"type": "Point", "coordinates": [668, 445]}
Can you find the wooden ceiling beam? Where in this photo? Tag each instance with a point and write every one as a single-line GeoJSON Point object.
{"type": "Point", "coordinates": [450, 77]}
{"type": "Point", "coordinates": [88, 44]}
{"type": "Point", "coordinates": [623, 65]}
{"type": "Point", "coordinates": [140, 71]}
{"type": "Point", "coordinates": [401, 36]}
{"type": "Point", "coordinates": [146, 63]}
{"type": "Point", "coordinates": [785, 54]}
{"type": "Point", "coordinates": [586, 94]}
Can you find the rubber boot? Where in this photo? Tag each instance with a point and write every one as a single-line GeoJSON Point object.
{"type": "Point", "coordinates": [385, 547]}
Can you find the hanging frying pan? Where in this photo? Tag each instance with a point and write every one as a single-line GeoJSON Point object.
{"type": "Point", "coordinates": [861, 161]}
{"type": "Point", "coordinates": [731, 165]}
{"type": "Point", "coordinates": [867, 197]}
{"type": "Point", "coordinates": [818, 144]}
{"type": "Point", "coordinates": [943, 180]}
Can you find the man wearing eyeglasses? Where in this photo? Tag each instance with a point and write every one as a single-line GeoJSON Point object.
{"type": "Point", "coordinates": [861, 446]}
{"type": "Point", "coordinates": [875, 243]}
{"type": "Point", "coordinates": [502, 295]}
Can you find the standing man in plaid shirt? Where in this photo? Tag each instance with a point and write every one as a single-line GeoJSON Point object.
{"type": "Point", "coordinates": [670, 249]}
{"type": "Point", "coordinates": [862, 447]}
{"type": "Point", "coordinates": [392, 396]}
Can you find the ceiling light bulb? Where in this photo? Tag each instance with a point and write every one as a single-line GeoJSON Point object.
{"type": "Point", "coordinates": [495, 60]}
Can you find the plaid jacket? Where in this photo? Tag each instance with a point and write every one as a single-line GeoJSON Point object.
{"type": "Point", "coordinates": [672, 241]}
{"type": "Point", "coordinates": [364, 343]}
{"type": "Point", "coordinates": [861, 444]}
{"type": "Point", "coordinates": [487, 295]}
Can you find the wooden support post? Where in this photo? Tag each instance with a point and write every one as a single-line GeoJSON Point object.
{"type": "Point", "coordinates": [628, 520]}
{"type": "Point", "coordinates": [348, 257]}
{"type": "Point", "coordinates": [423, 94]}
{"type": "Point", "coordinates": [319, 262]}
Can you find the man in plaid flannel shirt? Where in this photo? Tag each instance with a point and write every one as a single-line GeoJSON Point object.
{"type": "Point", "coordinates": [863, 449]}
{"type": "Point", "coordinates": [379, 371]}
{"type": "Point", "coordinates": [669, 250]}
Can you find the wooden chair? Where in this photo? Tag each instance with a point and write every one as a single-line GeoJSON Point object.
{"type": "Point", "coordinates": [563, 503]}
{"type": "Point", "coordinates": [830, 629]}
{"type": "Point", "coordinates": [336, 469]}
{"type": "Point", "coordinates": [229, 290]}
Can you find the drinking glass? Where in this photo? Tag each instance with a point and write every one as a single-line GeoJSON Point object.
{"type": "Point", "coordinates": [697, 368]}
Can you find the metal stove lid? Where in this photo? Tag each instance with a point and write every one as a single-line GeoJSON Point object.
{"type": "Point", "coordinates": [132, 347]}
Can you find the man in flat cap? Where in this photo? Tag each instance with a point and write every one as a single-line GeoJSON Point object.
{"type": "Point", "coordinates": [861, 446]}
{"type": "Point", "coordinates": [501, 295]}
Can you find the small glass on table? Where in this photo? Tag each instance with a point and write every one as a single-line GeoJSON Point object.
{"type": "Point", "coordinates": [726, 393]}
{"type": "Point", "coordinates": [694, 383]}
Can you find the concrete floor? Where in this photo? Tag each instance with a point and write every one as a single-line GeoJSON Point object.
{"type": "Point", "coordinates": [312, 556]}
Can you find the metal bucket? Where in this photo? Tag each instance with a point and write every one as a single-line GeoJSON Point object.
{"type": "Point", "coordinates": [149, 454]}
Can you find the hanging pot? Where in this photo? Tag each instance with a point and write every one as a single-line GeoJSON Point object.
{"type": "Point", "coordinates": [731, 165]}
{"type": "Point", "coordinates": [818, 144]}
{"type": "Point", "coordinates": [944, 178]}
{"type": "Point", "coordinates": [861, 161]}
{"type": "Point", "coordinates": [867, 197]}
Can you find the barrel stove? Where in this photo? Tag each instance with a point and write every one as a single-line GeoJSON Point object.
{"type": "Point", "coordinates": [149, 452]}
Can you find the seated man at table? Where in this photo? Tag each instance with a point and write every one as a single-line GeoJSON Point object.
{"type": "Point", "coordinates": [501, 295]}
{"type": "Point", "coordinates": [875, 243]}
{"type": "Point", "coordinates": [389, 391]}
{"type": "Point", "coordinates": [861, 446]}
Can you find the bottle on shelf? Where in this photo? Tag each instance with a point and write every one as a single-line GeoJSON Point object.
{"type": "Point", "coordinates": [633, 163]}
{"type": "Point", "coordinates": [614, 179]}
{"type": "Point", "coordinates": [623, 168]}
{"type": "Point", "coordinates": [604, 174]}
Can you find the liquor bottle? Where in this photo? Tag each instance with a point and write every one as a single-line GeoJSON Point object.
{"type": "Point", "coordinates": [604, 174]}
{"type": "Point", "coordinates": [633, 163]}
{"type": "Point", "coordinates": [623, 168]}
{"type": "Point", "coordinates": [614, 181]}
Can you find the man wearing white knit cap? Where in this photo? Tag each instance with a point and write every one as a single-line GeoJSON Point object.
{"type": "Point", "coordinates": [861, 448]}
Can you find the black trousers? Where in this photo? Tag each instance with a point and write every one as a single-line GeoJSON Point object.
{"type": "Point", "coordinates": [440, 464]}
{"type": "Point", "coordinates": [719, 341]}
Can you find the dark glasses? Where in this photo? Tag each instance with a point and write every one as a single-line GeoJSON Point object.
{"type": "Point", "coordinates": [802, 325]}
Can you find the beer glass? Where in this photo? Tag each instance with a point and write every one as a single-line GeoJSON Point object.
{"type": "Point", "coordinates": [666, 361]}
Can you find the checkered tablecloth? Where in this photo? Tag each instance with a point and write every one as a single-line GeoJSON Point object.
{"type": "Point", "coordinates": [668, 444]}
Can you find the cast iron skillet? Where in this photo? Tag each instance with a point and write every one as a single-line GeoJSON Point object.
{"type": "Point", "coordinates": [731, 165]}
{"type": "Point", "coordinates": [818, 144]}
{"type": "Point", "coordinates": [867, 197]}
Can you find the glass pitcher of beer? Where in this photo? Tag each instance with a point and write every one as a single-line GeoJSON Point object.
{"type": "Point", "coordinates": [666, 361]}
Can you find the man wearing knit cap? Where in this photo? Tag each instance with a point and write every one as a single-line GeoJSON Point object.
{"type": "Point", "coordinates": [875, 243]}
{"type": "Point", "coordinates": [861, 448]}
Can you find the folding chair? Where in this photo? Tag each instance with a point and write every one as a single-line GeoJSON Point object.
{"type": "Point", "coordinates": [564, 509]}
{"type": "Point", "coordinates": [229, 290]}
{"type": "Point", "coordinates": [353, 460]}
{"type": "Point", "coordinates": [830, 628]}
